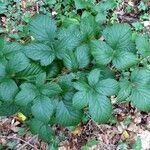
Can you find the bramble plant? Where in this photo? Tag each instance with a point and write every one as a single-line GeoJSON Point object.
{"type": "Point", "coordinates": [65, 74]}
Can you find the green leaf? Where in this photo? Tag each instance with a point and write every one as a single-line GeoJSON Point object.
{"type": "Point", "coordinates": [84, 148]}
{"type": "Point", "coordinates": [7, 109]}
{"type": "Point", "coordinates": [42, 28]}
{"type": "Point", "coordinates": [17, 63]}
{"type": "Point", "coordinates": [41, 79]}
{"type": "Point", "coordinates": [102, 10]}
{"type": "Point", "coordinates": [100, 108]}
{"type": "Point", "coordinates": [140, 77]}
{"type": "Point", "coordinates": [92, 142]}
{"type": "Point", "coordinates": [101, 17]}
{"type": "Point", "coordinates": [103, 55]}
{"type": "Point", "coordinates": [2, 42]}
{"type": "Point", "coordinates": [8, 89]}
{"type": "Point", "coordinates": [66, 22]}
{"type": "Point", "coordinates": [123, 60]}
{"type": "Point", "coordinates": [94, 77]}
{"type": "Point", "coordinates": [106, 72]}
{"type": "Point", "coordinates": [26, 95]}
{"type": "Point", "coordinates": [124, 90]}
{"type": "Point", "coordinates": [11, 145]}
{"type": "Point", "coordinates": [31, 71]}
{"type": "Point", "coordinates": [10, 49]}
{"type": "Point", "coordinates": [51, 89]}
{"type": "Point", "coordinates": [82, 54]}
{"type": "Point", "coordinates": [78, 59]}
{"type": "Point", "coordinates": [54, 69]}
{"type": "Point", "coordinates": [80, 4]}
{"type": "Point", "coordinates": [43, 130]}
{"type": "Point", "coordinates": [42, 109]}
{"type": "Point", "coordinates": [2, 70]}
{"type": "Point", "coordinates": [118, 37]}
{"type": "Point", "coordinates": [140, 97]}
{"type": "Point", "coordinates": [89, 27]}
{"type": "Point", "coordinates": [70, 61]}
{"type": "Point", "coordinates": [81, 86]}
{"type": "Point", "coordinates": [81, 99]}
{"type": "Point", "coordinates": [138, 144]}
{"type": "Point", "coordinates": [69, 39]}
{"type": "Point", "coordinates": [51, 2]}
{"type": "Point", "coordinates": [66, 114]}
{"type": "Point", "coordinates": [107, 87]}
{"type": "Point", "coordinates": [65, 81]}
{"type": "Point", "coordinates": [143, 45]}
{"type": "Point", "coordinates": [40, 52]}
{"type": "Point", "coordinates": [3, 8]}
{"type": "Point", "coordinates": [104, 6]}
{"type": "Point", "coordinates": [102, 52]}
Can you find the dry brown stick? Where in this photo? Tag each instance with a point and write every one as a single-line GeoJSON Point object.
{"type": "Point", "coordinates": [37, 7]}
{"type": "Point", "coordinates": [28, 143]}
{"type": "Point", "coordinates": [16, 138]}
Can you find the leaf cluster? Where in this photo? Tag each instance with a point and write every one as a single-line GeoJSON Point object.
{"type": "Point", "coordinates": [66, 73]}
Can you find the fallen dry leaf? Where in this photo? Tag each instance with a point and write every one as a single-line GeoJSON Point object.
{"type": "Point", "coordinates": [146, 23]}
{"type": "Point", "coordinates": [145, 139]}
{"type": "Point", "coordinates": [77, 131]}
{"type": "Point", "coordinates": [125, 135]}
{"type": "Point", "coordinates": [21, 117]}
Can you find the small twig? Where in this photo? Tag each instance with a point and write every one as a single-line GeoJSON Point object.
{"type": "Point", "coordinates": [95, 123]}
{"type": "Point", "coordinates": [16, 138]}
{"type": "Point", "coordinates": [27, 143]}
{"type": "Point", "coordinates": [37, 8]}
